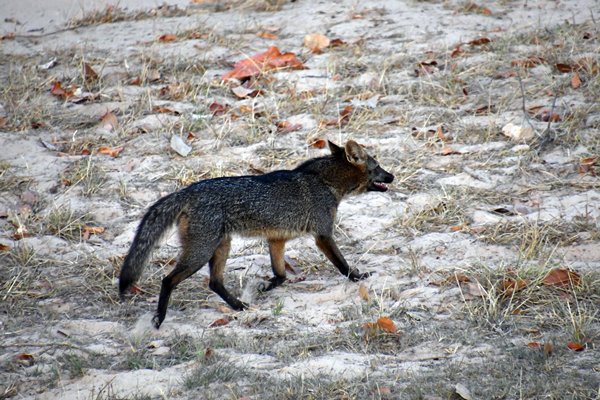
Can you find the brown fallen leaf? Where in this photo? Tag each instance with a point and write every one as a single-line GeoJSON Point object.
{"type": "Point", "coordinates": [509, 286]}
{"type": "Point", "coordinates": [109, 121]}
{"type": "Point", "coordinates": [345, 114]}
{"type": "Point", "coordinates": [165, 110]}
{"type": "Point", "coordinates": [548, 349]}
{"type": "Point", "coordinates": [386, 325]}
{"type": "Point", "coordinates": [447, 151]}
{"type": "Point", "coordinates": [135, 81]}
{"type": "Point", "coordinates": [479, 41]}
{"type": "Point", "coordinates": [440, 134]}
{"type": "Point", "coordinates": [457, 228]}
{"type": "Point", "coordinates": [547, 115]}
{"type": "Point", "coordinates": [94, 230]}
{"type": "Point", "coordinates": [219, 322]}
{"type": "Point", "coordinates": [318, 144]}
{"type": "Point", "coordinates": [460, 278]}
{"type": "Point", "coordinates": [575, 346]}
{"type": "Point", "coordinates": [564, 68]}
{"type": "Point", "coordinates": [456, 52]}
{"type": "Point", "coordinates": [168, 37]}
{"type": "Point", "coordinates": [208, 353]}
{"type": "Point", "coordinates": [272, 59]}
{"type": "Point", "coordinates": [64, 93]}
{"type": "Point", "coordinates": [267, 35]}
{"type": "Point", "coordinates": [575, 80]}
{"type": "Point", "coordinates": [336, 42]}
{"type": "Point", "coordinates": [586, 165]}
{"type": "Point", "coordinates": [561, 277]}
{"type": "Point", "coordinates": [111, 151]}
{"type": "Point", "coordinates": [4, 247]}
{"type": "Point", "coordinates": [89, 75]}
{"type": "Point", "coordinates": [287, 127]}
{"type": "Point", "coordinates": [485, 109]}
{"type": "Point", "coordinates": [341, 120]}
{"type": "Point", "coordinates": [247, 109]}
{"type": "Point", "coordinates": [218, 108]}
{"type": "Point", "coordinates": [534, 345]}
{"type": "Point", "coordinates": [87, 231]}
{"type": "Point", "coordinates": [25, 359]}
{"type": "Point", "coordinates": [244, 92]}
{"type": "Point", "coordinates": [316, 42]}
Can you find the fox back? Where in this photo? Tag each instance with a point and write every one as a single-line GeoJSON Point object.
{"type": "Point", "coordinates": [287, 203]}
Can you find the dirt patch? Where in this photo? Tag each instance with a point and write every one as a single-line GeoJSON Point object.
{"type": "Point", "coordinates": [103, 113]}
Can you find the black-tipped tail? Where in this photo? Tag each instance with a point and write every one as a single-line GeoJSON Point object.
{"type": "Point", "coordinates": [157, 220]}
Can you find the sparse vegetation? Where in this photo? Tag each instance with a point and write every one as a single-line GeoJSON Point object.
{"type": "Point", "coordinates": [65, 223]}
{"type": "Point", "coordinates": [461, 247]}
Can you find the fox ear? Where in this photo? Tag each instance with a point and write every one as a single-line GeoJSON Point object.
{"type": "Point", "coordinates": [334, 148]}
{"type": "Point", "coordinates": [355, 153]}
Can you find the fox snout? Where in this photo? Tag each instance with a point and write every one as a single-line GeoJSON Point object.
{"type": "Point", "coordinates": [379, 180]}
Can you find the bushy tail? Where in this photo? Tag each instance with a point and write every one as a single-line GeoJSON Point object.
{"type": "Point", "coordinates": [157, 220]}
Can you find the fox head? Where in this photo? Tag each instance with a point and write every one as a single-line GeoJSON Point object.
{"type": "Point", "coordinates": [360, 168]}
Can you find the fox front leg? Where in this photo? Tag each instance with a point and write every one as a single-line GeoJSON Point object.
{"type": "Point", "coordinates": [327, 245]}
{"type": "Point", "coordinates": [276, 251]}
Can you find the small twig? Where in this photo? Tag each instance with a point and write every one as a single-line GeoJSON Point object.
{"type": "Point", "coordinates": [52, 344]}
{"type": "Point", "coordinates": [552, 111]}
{"type": "Point", "coordinates": [525, 114]}
{"type": "Point", "coordinates": [545, 138]}
{"type": "Point", "coordinates": [41, 35]}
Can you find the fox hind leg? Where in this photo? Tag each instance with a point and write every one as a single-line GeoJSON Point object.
{"type": "Point", "coordinates": [276, 251]}
{"type": "Point", "coordinates": [217, 267]}
{"type": "Point", "coordinates": [193, 257]}
{"type": "Point", "coordinates": [186, 267]}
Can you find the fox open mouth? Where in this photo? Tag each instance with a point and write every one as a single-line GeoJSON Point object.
{"type": "Point", "coordinates": [380, 186]}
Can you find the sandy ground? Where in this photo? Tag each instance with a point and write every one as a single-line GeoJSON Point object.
{"type": "Point", "coordinates": [470, 211]}
{"type": "Point", "coordinates": [48, 16]}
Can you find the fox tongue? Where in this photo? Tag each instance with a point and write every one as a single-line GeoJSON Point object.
{"type": "Point", "coordinates": [380, 185]}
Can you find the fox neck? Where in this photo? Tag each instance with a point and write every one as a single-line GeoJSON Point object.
{"type": "Point", "coordinates": [337, 174]}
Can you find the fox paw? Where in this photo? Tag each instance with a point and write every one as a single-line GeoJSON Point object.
{"type": "Point", "coordinates": [271, 284]}
{"type": "Point", "coordinates": [357, 276]}
{"type": "Point", "coordinates": [238, 305]}
{"type": "Point", "coordinates": [156, 321]}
